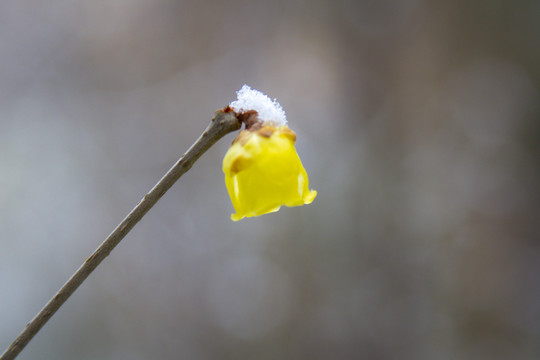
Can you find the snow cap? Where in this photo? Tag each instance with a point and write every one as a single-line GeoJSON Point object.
{"type": "Point", "coordinates": [268, 110]}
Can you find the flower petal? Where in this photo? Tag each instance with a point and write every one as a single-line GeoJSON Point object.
{"type": "Point", "coordinates": [263, 172]}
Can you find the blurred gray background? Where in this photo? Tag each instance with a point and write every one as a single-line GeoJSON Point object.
{"type": "Point", "coordinates": [418, 124]}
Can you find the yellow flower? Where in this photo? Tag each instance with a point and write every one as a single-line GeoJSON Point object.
{"type": "Point", "coordinates": [263, 172]}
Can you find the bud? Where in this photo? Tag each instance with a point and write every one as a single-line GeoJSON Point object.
{"type": "Point", "coordinates": [262, 168]}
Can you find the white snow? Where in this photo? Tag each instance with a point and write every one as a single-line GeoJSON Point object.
{"type": "Point", "coordinates": [269, 110]}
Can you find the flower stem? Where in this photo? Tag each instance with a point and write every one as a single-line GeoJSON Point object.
{"type": "Point", "coordinates": [223, 122]}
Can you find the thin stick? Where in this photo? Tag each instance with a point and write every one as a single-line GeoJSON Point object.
{"type": "Point", "coordinates": [223, 122]}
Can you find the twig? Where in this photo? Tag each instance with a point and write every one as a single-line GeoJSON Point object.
{"type": "Point", "coordinates": [223, 122]}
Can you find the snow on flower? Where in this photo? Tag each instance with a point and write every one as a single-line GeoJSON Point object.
{"type": "Point", "coordinates": [262, 168]}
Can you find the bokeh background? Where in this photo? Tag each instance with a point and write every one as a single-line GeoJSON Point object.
{"type": "Point", "coordinates": [418, 124]}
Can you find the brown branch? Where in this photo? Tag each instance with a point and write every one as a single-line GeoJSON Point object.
{"type": "Point", "coordinates": [223, 122]}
